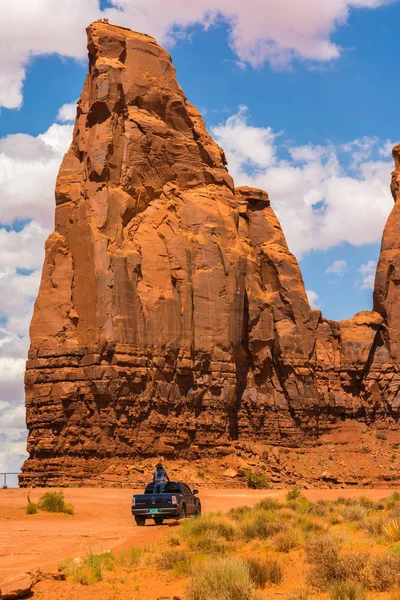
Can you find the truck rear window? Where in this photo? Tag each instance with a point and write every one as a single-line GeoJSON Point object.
{"type": "Point", "coordinates": [170, 488]}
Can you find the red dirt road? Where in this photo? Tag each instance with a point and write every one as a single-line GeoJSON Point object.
{"type": "Point", "coordinates": [102, 521]}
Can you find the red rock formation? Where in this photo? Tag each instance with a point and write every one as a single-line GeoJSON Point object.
{"type": "Point", "coordinates": [172, 318]}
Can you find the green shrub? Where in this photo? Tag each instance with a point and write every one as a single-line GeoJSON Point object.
{"type": "Point", "coordinates": [239, 512]}
{"type": "Point", "coordinates": [294, 493]}
{"type": "Point", "coordinates": [259, 524]}
{"type": "Point", "coordinates": [274, 571]}
{"type": "Point", "coordinates": [381, 436]}
{"type": "Point", "coordinates": [347, 590]}
{"type": "Point", "coordinates": [173, 540]}
{"type": "Point", "coordinates": [217, 523]}
{"type": "Point", "coordinates": [90, 569]}
{"type": "Point", "coordinates": [54, 502]}
{"type": "Point", "coordinates": [300, 505]}
{"type": "Point", "coordinates": [384, 573]}
{"type": "Point", "coordinates": [258, 572]}
{"type": "Point", "coordinates": [227, 579]}
{"type": "Point", "coordinates": [326, 567]}
{"type": "Point", "coordinates": [374, 525]}
{"type": "Point", "coordinates": [256, 481]}
{"type": "Point", "coordinates": [169, 558]}
{"type": "Point", "coordinates": [268, 504]}
{"type": "Point", "coordinates": [208, 543]}
{"type": "Point", "coordinates": [356, 512]}
{"type": "Point", "coordinates": [285, 541]}
{"type": "Point", "coordinates": [31, 508]}
{"type": "Point", "coordinates": [392, 501]}
{"type": "Point", "coordinates": [130, 558]}
{"type": "Point", "coordinates": [313, 524]}
{"type": "Point", "coordinates": [264, 571]}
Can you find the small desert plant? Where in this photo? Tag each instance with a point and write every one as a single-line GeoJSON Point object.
{"type": "Point", "coordinates": [381, 436]}
{"type": "Point", "coordinates": [285, 541]}
{"type": "Point", "coordinates": [392, 501]}
{"type": "Point", "coordinates": [294, 493]}
{"type": "Point", "coordinates": [258, 572]}
{"type": "Point", "coordinates": [227, 579]}
{"type": "Point", "coordinates": [130, 558]}
{"type": "Point", "coordinates": [219, 524]}
{"type": "Point", "coordinates": [256, 481]}
{"type": "Point", "coordinates": [274, 571]}
{"type": "Point", "coordinates": [268, 504]}
{"type": "Point", "coordinates": [357, 512]}
{"type": "Point", "coordinates": [391, 530]}
{"type": "Point", "coordinates": [239, 512]}
{"type": "Point", "coordinates": [347, 590]}
{"type": "Point", "coordinates": [259, 524]}
{"type": "Point", "coordinates": [54, 502]}
{"type": "Point", "coordinates": [208, 543]}
{"type": "Point", "coordinates": [31, 508]}
{"type": "Point", "coordinates": [173, 540]}
{"type": "Point", "coordinates": [300, 505]}
{"type": "Point", "coordinates": [168, 558]}
{"type": "Point", "coordinates": [374, 525]}
{"type": "Point", "coordinates": [323, 556]}
{"type": "Point", "coordinates": [313, 524]}
{"type": "Point", "coordinates": [384, 573]}
{"type": "Point", "coordinates": [90, 569]}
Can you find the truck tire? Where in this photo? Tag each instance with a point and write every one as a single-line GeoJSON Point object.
{"type": "Point", "coordinates": [197, 512]}
{"type": "Point", "coordinates": [158, 520]}
{"type": "Point", "coordinates": [140, 521]}
{"type": "Point", "coordinates": [182, 513]}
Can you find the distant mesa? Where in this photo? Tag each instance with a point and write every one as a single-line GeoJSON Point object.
{"type": "Point", "coordinates": [172, 318]}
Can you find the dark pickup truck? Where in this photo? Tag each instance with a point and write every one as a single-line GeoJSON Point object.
{"type": "Point", "coordinates": [176, 502]}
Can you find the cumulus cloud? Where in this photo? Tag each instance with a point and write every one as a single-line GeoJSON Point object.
{"type": "Point", "coordinates": [367, 275]}
{"type": "Point", "coordinates": [28, 168]}
{"type": "Point", "coordinates": [313, 299]}
{"type": "Point", "coordinates": [274, 31]}
{"type": "Point", "coordinates": [338, 267]}
{"type": "Point", "coordinates": [67, 113]}
{"type": "Point", "coordinates": [323, 195]}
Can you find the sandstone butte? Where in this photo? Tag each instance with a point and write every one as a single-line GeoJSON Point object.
{"type": "Point", "coordinates": [172, 318]}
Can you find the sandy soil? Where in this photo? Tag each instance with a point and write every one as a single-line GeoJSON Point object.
{"type": "Point", "coordinates": [102, 521]}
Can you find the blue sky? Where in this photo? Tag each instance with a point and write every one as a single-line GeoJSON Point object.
{"type": "Point", "coordinates": [310, 117]}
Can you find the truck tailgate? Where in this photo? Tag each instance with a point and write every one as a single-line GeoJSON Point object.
{"type": "Point", "coordinates": [153, 501]}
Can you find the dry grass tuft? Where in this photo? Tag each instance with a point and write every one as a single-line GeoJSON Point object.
{"type": "Point", "coordinates": [347, 590]}
{"type": "Point", "coordinates": [227, 579]}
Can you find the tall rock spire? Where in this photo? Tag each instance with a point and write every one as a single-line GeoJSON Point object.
{"type": "Point", "coordinates": [172, 318]}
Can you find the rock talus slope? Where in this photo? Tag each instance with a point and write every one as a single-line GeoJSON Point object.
{"type": "Point", "coordinates": [171, 318]}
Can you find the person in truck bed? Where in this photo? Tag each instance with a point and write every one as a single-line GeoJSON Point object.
{"type": "Point", "coordinates": [160, 477]}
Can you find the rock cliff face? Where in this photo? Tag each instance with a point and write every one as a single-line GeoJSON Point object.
{"type": "Point", "coordinates": [172, 318]}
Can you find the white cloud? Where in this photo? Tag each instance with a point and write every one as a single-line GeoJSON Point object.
{"type": "Point", "coordinates": [274, 31]}
{"type": "Point", "coordinates": [322, 195]}
{"type": "Point", "coordinates": [28, 169]}
{"type": "Point", "coordinates": [338, 267]}
{"type": "Point", "coordinates": [367, 275]}
{"type": "Point", "coordinates": [67, 113]}
{"type": "Point", "coordinates": [313, 299]}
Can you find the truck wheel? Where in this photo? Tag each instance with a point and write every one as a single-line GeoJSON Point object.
{"type": "Point", "coordinates": [158, 520]}
{"type": "Point", "coordinates": [198, 510]}
{"type": "Point", "coordinates": [182, 514]}
{"type": "Point", "coordinates": [140, 521]}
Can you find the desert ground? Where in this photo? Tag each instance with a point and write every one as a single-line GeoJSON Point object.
{"type": "Point", "coordinates": [102, 522]}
